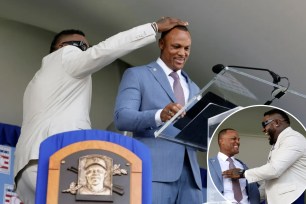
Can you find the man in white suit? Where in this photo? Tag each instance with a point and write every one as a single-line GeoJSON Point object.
{"type": "Point", "coordinates": [284, 175]}
{"type": "Point", "coordinates": [58, 97]}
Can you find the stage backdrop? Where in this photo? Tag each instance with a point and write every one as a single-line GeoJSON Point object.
{"type": "Point", "coordinates": [9, 135]}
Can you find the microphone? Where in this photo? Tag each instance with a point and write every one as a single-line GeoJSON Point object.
{"type": "Point", "coordinates": [219, 67]}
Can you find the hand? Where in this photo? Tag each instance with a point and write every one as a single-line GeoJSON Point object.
{"type": "Point", "coordinates": [232, 173]}
{"type": "Point", "coordinates": [170, 110]}
{"type": "Point", "coordinates": [166, 23]}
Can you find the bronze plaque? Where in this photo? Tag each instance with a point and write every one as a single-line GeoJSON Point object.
{"type": "Point", "coordinates": [94, 175]}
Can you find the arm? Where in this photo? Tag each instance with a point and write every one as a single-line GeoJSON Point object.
{"type": "Point", "coordinates": [80, 64]}
{"type": "Point", "coordinates": [128, 114]}
{"type": "Point", "coordinates": [142, 103]}
{"type": "Point", "coordinates": [289, 152]}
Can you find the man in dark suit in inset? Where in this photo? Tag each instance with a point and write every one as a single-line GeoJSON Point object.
{"type": "Point", "coordinates": [229, 142]}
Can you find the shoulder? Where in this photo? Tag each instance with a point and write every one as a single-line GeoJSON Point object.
{"type": "Point", "coordinates": [142, 69]}
{"type": "Point", "coordinates": [243, 164]}
{"type": "Point", "coordinates": [290, 137]}
{"type": "Point", "coordinates": [62, 54]}
{"type": "Point", "coordinates": [295, 133]}
{"type": "Point", "coordinates": [146, 67]}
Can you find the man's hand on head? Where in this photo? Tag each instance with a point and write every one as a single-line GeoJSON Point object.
{"type": "Point", "coordinates": [166, 23]}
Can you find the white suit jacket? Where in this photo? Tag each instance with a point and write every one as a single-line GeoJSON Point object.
{"type": "Point", "coordinates": [285, 172]}
{"type": "Point", "coordinates": [58, 98]}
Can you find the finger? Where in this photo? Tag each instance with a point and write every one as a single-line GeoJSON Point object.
{"type": "Point", "coordinates": [227, 172]}
{"type": "Point", "coordinates": [175, 109]}
{"type": "Point", "coordinates": [166, 23]}
{"type": "Point", "coordinates": [170, 112]}
{"type": "Point", "coordinates": [183, 23]}
{"type": "Point", "coordinates": [165, 116]}
{"type": "Point", "coordinates": [177, 21]}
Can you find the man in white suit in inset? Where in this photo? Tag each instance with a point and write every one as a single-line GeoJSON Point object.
{"type": "Point", "coordinates": [284, 175]}
{"type": "Point", "coordinates": [58, 98]}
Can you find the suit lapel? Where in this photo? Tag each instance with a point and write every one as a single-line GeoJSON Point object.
{"type": "Point", "coordinates": [217, 167]}
{"type": "Point", "coordinates": [162, 79]}
{"type": "Point", "coordinates": [191, 91]}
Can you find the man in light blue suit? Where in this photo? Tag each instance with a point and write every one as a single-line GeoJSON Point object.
{"type": "Point", "coordinates": [145, 101]}
{"type": "Point", "coordinates": [229, 142]}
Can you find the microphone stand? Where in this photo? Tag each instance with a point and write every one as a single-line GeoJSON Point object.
{"type": "Point", "coordinates": [276, 79]}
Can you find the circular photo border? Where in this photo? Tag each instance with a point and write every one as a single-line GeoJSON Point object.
{"type": "Point", "coordinates": [253, 148]}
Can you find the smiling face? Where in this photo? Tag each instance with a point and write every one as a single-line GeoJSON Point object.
{"type": "Point", "coordinates": [270, 128]}
{"type": "Point", "coordinates": [273, 123]}
{"type": "Point", "coordinates": [175, 48]}
{"type": "Point", "coordinates": [229, 143]}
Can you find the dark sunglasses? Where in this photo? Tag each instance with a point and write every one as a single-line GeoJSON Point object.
{"type": "Point", "coordinates": [267, 122]}
{"type": "Point", "coordinates": [80, 44]}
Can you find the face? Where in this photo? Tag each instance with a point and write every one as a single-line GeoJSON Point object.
{"type": "Point", "coordinates": [74, 37]}
{"type": "Point", "coordinates": [95, 175]}
{"type": "Point", "coordinates": [175, 48]}
{"type": "Point", "coordinates": [269, 128]}
{"type": "Point", "coordinates": [229, 143]}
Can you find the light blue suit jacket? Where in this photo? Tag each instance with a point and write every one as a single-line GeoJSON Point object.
{"type": "Point", "coordinates": [142, 92]}
{"type": "Point", "coordinates": [216, 175]}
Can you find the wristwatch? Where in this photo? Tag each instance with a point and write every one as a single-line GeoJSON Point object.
{"type": "Point", "coordinates": [241, 173]}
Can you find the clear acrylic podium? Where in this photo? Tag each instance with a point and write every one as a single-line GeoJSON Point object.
{"type": "Point", "coordinates": [225, 93]}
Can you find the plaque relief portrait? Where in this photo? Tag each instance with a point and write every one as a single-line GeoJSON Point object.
{"type": "Point", "coordinates": [95, 175]}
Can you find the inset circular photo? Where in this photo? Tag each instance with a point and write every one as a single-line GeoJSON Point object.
{"type": "Point", "coordinates": [257, 155]}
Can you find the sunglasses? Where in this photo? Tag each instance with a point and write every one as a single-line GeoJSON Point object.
{"type": "Point", "coordinates": [80, 44]}
{"type": "Point", "coordinates": [267, 122]}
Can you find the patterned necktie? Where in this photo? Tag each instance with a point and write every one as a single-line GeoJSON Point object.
{"type": "Point", "coordinates": [235, 183]}
{"type": "Point", "coordinates": [177, 88]}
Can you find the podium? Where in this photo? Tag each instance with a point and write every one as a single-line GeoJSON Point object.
{"type": "Point", "coordinates": [57, 167]}
{"type": "Point", "coordinates": [226, 93]}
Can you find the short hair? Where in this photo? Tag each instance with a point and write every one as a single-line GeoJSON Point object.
{"type": "Point", "coordinates": [223, 132]}
{"type": "Point", "coordinates": [180, 27]}
{"type": "Point", "coordinates": [63, 33]}
{"type": "Point", "coordinates": [280, 112]}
